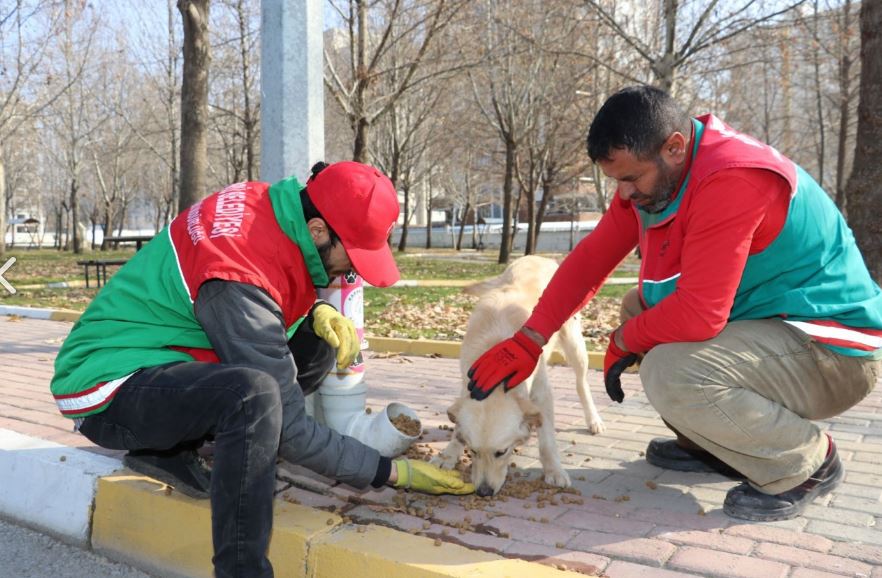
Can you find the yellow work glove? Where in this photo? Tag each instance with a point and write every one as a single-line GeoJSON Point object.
{"type": "Point", "coordinates": [429, 479]}
{"type": "Point", "coordinates": [338, 332]}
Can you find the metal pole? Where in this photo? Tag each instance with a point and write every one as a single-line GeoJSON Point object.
{"type": "Point", "coordinates": [292, 114]}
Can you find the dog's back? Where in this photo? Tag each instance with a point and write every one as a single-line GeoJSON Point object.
{"type": "Point", "coordinates": [504, 304]}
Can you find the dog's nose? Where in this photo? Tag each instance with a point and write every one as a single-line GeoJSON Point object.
{"type": "Point", "coordinates": [485, 491]}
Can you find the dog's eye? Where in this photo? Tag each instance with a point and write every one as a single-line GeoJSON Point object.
{"type": "Point", "coordinates": [500, 453]}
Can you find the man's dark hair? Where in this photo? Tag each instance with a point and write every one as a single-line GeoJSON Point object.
{"type": "Point", "coordinates": [639, 119]}
{"type": "Point", "coordinates": [309, 209]}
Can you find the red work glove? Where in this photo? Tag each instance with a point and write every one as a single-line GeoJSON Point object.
{"type": "Point", "coordinates": [509, 362]}
{"type": "Point", "coordinates": [614, 363]}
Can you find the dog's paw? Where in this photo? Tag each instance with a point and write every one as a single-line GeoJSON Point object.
{"type": "Point", "coordinates": [558, 477]}
{"type": "Point", "coordinates": [596, 427]}
{"type": "Point", "coordinates": [442, 461]}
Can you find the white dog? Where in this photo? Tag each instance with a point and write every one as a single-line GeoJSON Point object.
{"type": "Point", "coordinates": [493, 427]}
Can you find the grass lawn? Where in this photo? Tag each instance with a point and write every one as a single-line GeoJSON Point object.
{"type": "Point", "coordinates": [410, 312]}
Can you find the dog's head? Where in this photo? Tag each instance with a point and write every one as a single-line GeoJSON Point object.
{"type": "Point", "coordinates": [491, 429]}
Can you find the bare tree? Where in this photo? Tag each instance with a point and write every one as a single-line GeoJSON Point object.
{"type": "Point", "coordinates": [506, 91]}
{"type": "Point", "coordinates": [354, 81]}
{"type": "Point", "coordinates": [74, 120]}
{"type": "Point", "coordinates": [21, 59]}
{"type": "Point", "coordinates": [234, 103]}
{"type": "Point", "coordinates": [863, 190]}
{"type": "Point", "coordinates": [194, 101]}
{"type": "Point", "coordinates": [710, 24]}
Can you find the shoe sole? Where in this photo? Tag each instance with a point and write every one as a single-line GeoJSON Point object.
{"type": "Point", "coordinates": [787, 513]}
{"type": "Point", "coordinates": [164, 477]}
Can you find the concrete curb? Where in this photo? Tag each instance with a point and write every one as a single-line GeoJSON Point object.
{"type": "Point", "coordinates": [40, 313]}
{"type": "Point", "coordinates": [88, 499]}
{"type": "Point", "coordinates": [49, 486]}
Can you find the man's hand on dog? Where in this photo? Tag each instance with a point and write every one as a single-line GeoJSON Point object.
{"type": "Point", "coordinates": [615, 362]}
{"type": "Point", "coordinates": [509, 362]}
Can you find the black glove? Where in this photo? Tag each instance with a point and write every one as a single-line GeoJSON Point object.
{"type": "Point", "coordinates": [614, 363]}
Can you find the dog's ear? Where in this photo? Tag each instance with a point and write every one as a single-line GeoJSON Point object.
{"type": "Point", "coordinates": [532, 415]}
{"type": "Point", "coordinates": [453, 410]}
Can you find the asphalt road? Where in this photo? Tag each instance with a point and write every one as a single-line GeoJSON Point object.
{"type": "Point", "coordinates": [28, 554]}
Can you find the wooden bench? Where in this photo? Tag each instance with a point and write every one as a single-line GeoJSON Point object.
{"type": "Point", "coordinates": [100, 268]}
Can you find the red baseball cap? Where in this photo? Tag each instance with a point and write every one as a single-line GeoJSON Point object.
{"type": "Point", "coordinates": [360, 204]}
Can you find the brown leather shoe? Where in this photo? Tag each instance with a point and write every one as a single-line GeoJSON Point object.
{"type": "Point", "coordinates": [670, 455]}
{"type": "Point", "coordinates": [747, 503]}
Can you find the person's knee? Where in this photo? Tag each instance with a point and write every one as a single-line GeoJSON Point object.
{"type": "Point", "coordinates": [311, 372]}
{"type": "Point", "coordinates": [668, 381]}
{"type": "Point", "coordinates": [631, 305]}
{"type": "Point", "coordinates": [253, 396]}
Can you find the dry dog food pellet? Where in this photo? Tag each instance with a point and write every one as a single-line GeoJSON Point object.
{"type": "Point", "coordinates": [406, 425]}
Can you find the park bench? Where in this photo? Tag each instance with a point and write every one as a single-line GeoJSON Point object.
{"type": "Point", "coordinates": [100, 268]}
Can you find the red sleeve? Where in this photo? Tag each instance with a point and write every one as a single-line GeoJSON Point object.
{"type": "Point", "coordinates": [585, 269]}
{"type": "Point", "coordinates": [735, 213]}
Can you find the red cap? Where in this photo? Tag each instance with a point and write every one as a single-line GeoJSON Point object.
{"type": "Point", "coordinates": [361, 205]}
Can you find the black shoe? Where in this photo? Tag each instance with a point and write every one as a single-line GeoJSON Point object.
{"type": "Point", "coordinates": [183, 470]}
{"type": "Point", "coordinates": [744, 502]}
{"type": "Point", "coordinates": [667, 454]}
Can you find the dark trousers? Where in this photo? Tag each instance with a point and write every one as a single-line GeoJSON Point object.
{"type": "Point", "coordinates": [179, 405]}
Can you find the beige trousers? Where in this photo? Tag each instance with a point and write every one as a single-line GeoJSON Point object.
{"type": "Point", "coordinates": [749, 394]}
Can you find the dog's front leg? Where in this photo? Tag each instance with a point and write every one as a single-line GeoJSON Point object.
{"type": "Point", "coordinates": [555, 475]}
{"type": "Point", "coordinates": [449, 455]}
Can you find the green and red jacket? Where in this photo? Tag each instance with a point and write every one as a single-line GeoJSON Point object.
{"type": "Point", "coordinates": [749, 235]}
{"type": "Point", "coordinates": [249, 233]}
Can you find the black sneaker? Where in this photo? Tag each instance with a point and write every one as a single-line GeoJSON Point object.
{"type": "Point", "coordinates": [183, 470]}
{"type": "Point", "coordinates": [744, 502]}
{"type": "Point", "coordinates": [668, 454]}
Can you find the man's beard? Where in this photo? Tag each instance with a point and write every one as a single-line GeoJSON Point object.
{"type": "Point", "coordinates": [663, 193]}
{"type": "Point", "coordinates": [324, 252]}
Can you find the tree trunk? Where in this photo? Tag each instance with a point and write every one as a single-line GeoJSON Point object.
{"type": "Point", "coordinates": [107, 224]}
{"type": "Point", "coordinates": [360, 148]}
{"type": "Point", "coordinates": [844, 105]}
{"type": "Point", "coordinates": [74, 220]}
{"type": "Point", "coordinates": [819, 97]}
{"type": "Point", "coordinates": [864, 193]}
{"type": "Point", "coordinates": [171, 85]}
{"type": "Point", "coordinates": [462, 224]}
{"type": "Point", "coordinates": [429, 219]}
{"type": "Point", "coordinates": [530, 245]}
{"type": "Point", "coordinates": [402, 242]}
{"type": "Point", "coordinates": [247, 114]}
{"type": "Point", "coordinates": [505, 243]}
{"type": "Point", "coordinates": [194, 101]}
{"type": "Point", "coordinates": [3, 209]}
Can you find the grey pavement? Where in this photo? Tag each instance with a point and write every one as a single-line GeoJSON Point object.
{"type": "Point", "coordinates": [629, 519]}
{"type": "Point", "coordinates": [28, 554]}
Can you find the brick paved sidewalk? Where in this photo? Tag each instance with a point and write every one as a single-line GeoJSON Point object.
{"type": "Point", "coordinates": [632, 520]}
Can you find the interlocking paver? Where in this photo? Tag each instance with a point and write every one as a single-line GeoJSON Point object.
{"type": "Point", "coordinates": [715, 563]}
{"type": "Point", "coordinates": [708, 540]}
{"type": "Point", "coordinates": [808, 559]}
{"type": "Point", "coordinates": [629, 570]}
{"type": "Point", "coordinates": [634, 520]}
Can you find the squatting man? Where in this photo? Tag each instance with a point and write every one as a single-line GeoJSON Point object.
{"type": "Point", "coordinates": [213, 332]}
{"type": "Point", "coordinates": [754, 313]}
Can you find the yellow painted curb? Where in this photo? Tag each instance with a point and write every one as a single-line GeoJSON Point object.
{"type": "Point", "coordinates": [64, 315]}
{"type": "Point", "coordinates": [380, 552]}
{"type": "Point", "coordinates": [450, 349]}
{"type": "Point", "coordinates": [137, 521]}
